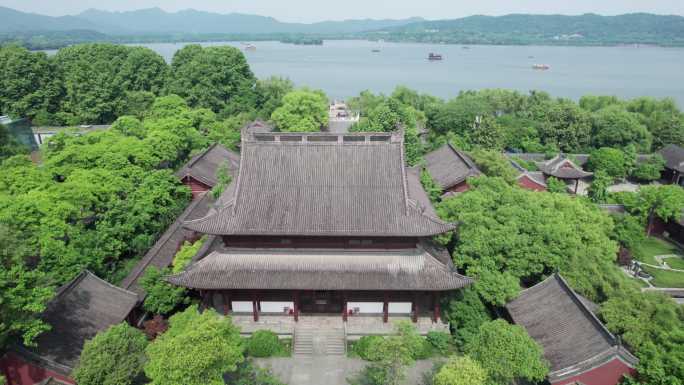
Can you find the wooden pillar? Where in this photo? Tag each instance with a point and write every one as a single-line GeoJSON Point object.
{"type": "Point", "coordinates": [576, 185]}
{"type": "Point", "coordinates": [385, 307]}
{"type": "Point", "coordinates": [227, 305]}
{"type": "Point", "coordinates": [414, 316]}
{"type": "Point", "coordinates": [255, 306]}
{"type": "Point", "coordinates": [435, 302]}
{"type": "Point", "coordinates": [344, 307]}
{"type": "Point", "coordinates": [203, 299]}
{"type": "Point", "coordinates": [296, 306]}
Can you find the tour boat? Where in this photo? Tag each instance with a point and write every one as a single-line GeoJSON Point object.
{"type": "Point", "coordinates": [376, 50]}
{"type": "Point", "coordinates": [250, 47]}
{"type": "Point", "coordinates": [435, 56]}
{"type": "Point", "coordinates": [542, 67]}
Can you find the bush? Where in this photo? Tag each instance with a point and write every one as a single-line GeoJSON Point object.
{"type": "Point", "coordinates": [649, 170]}
{"type": "Point", "coordinates": [441, 341]}
{"type": "Point", "coordinates": [495, 164]}
{"type": "Point", "coordinates": [555, 185]}
{"type": "Point", "coordinates": [185, 254]}
{"type": "Point", "coordinates": [363, 345]}
{"type": "Point", "coordinates": [612, 161]}
{"type": "Point", "coordinates": [113, 357]}
{"type": "Point", "coordinates": [423, 349]}
{"type": "Point", "coordinates": [263, 343]}
{"type": "Point", "coordinates": [162, 297]}
{"type": "Point", "coordinates": [461, 371]}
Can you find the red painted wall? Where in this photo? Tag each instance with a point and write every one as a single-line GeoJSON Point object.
{"type": "Point", "coordinates": [20, 372]}
{"type": "Point", "coordinates": [527, 183]}
{"type": "Point", "coordinates": [459, 188]}
{"type": "Point", "coordinates": [609, 374]}
{"type": "Point", "coordinates": [195, 186]}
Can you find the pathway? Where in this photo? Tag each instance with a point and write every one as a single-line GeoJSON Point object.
{"type": "Point", "coordinates": [329, 370]}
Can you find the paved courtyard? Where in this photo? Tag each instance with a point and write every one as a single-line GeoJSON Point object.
{"type": "Point", "coordinates": [329, 370]}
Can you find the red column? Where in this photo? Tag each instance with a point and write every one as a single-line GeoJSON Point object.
{"type": "Point", "coordinates": [435, 299]}
{"type": "Point", "coordinates": [296, 306]}
{"type": "Point", "coordinates": [344, 307]}
{"type": "Point", "coordinates": [226, 303]}
{"type": "Point", "coordinates": [255, 306]}
{"type": "Point", "coordinates": [385, 308]}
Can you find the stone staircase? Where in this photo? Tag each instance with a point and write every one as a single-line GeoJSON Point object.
{"type": "Point", "coordinates": [312, 338]}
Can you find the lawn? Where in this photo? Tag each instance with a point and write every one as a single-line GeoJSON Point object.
{"type": "Point", "coordinates": [675, 263]}
{"type": "Point", "coordinates": [651, 247]}
{"type": "Point", "coordinates": [665, 278]}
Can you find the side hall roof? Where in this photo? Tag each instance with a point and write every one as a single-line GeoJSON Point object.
{"type": "Point", "coordinates": [79, 310]}
{"type": "Point", "coordinates": [204, 166]}
{"type": "Point", "coordinates": [573, 338]}
{"type": "Point", "coordinates": [449, 167]}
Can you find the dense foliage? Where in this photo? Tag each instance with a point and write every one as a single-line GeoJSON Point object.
{"type": "Point", "coordinates": [509, 235]}
{"type": "Point", "coordinates": [197, 349]}
{"type": "Point", "coordinates": [461, 371]}
{"type": "Point", "coordinates": [302, 111]}
{"type": "Point", "coordinates": [185, 254]}
{"type": "Point", "coordinates": [506, 352]}
{"type": "Point", "coordinates": [162, 297]}
{"type": "Point", "coordinates": [263, 343]}
{"type": "Point", "coordinates": [114, 357]}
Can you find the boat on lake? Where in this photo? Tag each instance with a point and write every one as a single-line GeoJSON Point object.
{"type": "Point", "coordinates": [250, 47]}
{"type": "Point", "coordinates": [541, 67]}
{"type": "Point", "coordinates": [376, 50]}
{"type": "Point", "coordinates": [435, 56]}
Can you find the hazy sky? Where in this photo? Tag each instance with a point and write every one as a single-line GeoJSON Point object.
{"type": "Point", "coordinates": [317, 10]}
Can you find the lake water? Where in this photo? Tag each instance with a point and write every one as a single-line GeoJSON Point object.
{"type": "Point", "coordinates": [344, 68]}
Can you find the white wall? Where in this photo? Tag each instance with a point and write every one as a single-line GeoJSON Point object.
{"type": "Point", "coordinates": [399, 308]}
{"type": "Point", "coordinates": [275, 307]}
{"type": "Point", "coordinates": [365, 307]}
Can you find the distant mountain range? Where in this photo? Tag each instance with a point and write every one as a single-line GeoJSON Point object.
{"type": "Point", "coordinates": [158, 21]}
{"type": "Point", "coordinates": [588, 29]}
{"type": "Point", "coordinates": [154, 24]}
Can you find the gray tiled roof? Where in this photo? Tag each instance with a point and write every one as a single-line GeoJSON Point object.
{"type": "Point", "coordinates": [203, 166]}
{"type": "Point", "coordinates": [412, 269]}
{"type": "Point", "coordinates": [321, 185]}
{"type": "Point", "coordinates": [449, 167]}
{"type": "Point", "coordinates": [573, 339]}
{"type": "Point", "coordinates": [557, 167]}
{"type": "Point", "coordinates": [162, 253]}
{"type": "Point", "coordinates": [79, 310]}
{"type": "Point", "coordinates": [674, 157]}
{"type": "Point", "coordinates": [417, 193]}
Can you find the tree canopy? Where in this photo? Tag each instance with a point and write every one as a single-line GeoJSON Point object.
{"type": "Point", "coordinates": [508, 235]}
{"type": "Point", "coordinates": [197, 349]}
{"type": "Point", "coordinates": [461, 371]}
{"type": "Point", "coordinates": [302, 111]}
{"type": "Point", "coordinates": [114, 357]}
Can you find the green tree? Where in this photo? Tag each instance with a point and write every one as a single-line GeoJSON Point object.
{"type": "Point", "coordinates": [466, 312]}
{"type": "Point", "coordinates": [197, 349]}
{"type": "Point", "coordinates": [184, 255]}
{"type": "Point", "coordinates": [495, 164]}
{"type": "Point", "coordinates": [96, 78]}
{"type": "Point", "coordinates": [270, 93]}
{"type": "Point", "coordinates": [217, 78]}
{"type": "Point", "coordinates": [162, 297]}
{"type": "Point", "coordinates": [665, 202]}
{"type": "Point", "coordinates": [507, 353]}
{"type": "Point", "coordinates": [129, 126]}
{"type": "Point", "coordinates": [28, 85]}
{"type": "Point", "coordinates": [430, 186]}
{"type": "Point", "coordinates": [302, 111]}
{"type": "Point", "coordinates": [556, 185]}
{"type": "Point", "coordinates": [508, 233]}
{"type": "Point", "coordinates": [612, 161]}
{"type": "Point", "coordinates": [461, 371]}
{"type": "Point", "coordinates": [598, 191]}
{"type": "Point", "coordinates": [114, 357]}
{"type": "Point", "coordinates": [616, 127]}
{"type": "Point", "coordinates": [223, 180]}
{"type": "Point", "coordinates": [650, 170]}
{"type": "Point", "coordinates": [24, 292]}
{"type": "Point", "coordinates": [652, 325]}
